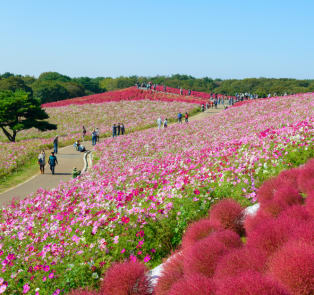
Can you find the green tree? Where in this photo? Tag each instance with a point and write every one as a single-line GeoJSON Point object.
{"type": "Point", "coordinates": [48, 91]}
{"type": "Point", "coordinates": [19, 111]}
{"type": "Point", "coordinates": [53, 76]}
{"type": "Point", "coordinates": [14, 83]}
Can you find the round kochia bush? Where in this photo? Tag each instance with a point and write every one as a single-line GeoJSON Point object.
{"type": "Point", "coordinates": [227, 214]}
{"type": "Point", "coordinates": [126, 278]}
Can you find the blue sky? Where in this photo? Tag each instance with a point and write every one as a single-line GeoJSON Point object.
{"type": "Point", "coordinates": [218, 39]}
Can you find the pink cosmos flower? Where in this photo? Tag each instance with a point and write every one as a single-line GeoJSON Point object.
{"type": "Point", "coordinates": [26, 288]}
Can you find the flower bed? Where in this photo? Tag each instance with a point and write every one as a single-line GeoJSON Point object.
{"type": "Point", "coordinates": [135, 115]}
{"type": "Point", "coordinates": [144, 190]}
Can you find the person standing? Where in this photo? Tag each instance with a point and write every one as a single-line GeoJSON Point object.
{"type": "Point", "coordinates": [159, 122]}
{"type": "Point", "coordinates": [166, 123]}
{"type": "Point", "coordinates": [118, 128]}
{"type": "Point", "coordinates": [179, 117]}
{"type": "Point", "coordinates": [97, 134]}
{"type": "Point", "coordinates": [52, 162]}
{"type": "Point", "coordinates": [114, 130]}
{"type": "Point", "coordinates": [55, 144]}
{"type": "Point", "coordinates": [122, 129]}
{"type": "Point", "coordinates": [94, 138]}
{"type": "Point", "coordinates": [42, 161]}
{"type": "Point", "coordinates": [83, 132]}
{"type": "Point", "coordinates": [186, 117]}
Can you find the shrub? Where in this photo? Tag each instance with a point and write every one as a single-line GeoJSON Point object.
{"type": "Point", "coordinates": [193, 284]}
{"type": "Point", "coordinates": [267, 190]}
{"type": "Point", "coordinates": [269, 235]}
{"type": "Point", "coordinates": [305, 178]}
{"type": "Point", "coordinates": [227, 214]}
{"type": "Point", "coordinates": [296, 212]}
{"type": "Point", "coordinates": [172, 272]}
{"type": "Point", "coordinates": [293, 266]}
{"type": "Point", "coordinates": [283, 197]}
{"type": "Point", "coordinates": [251, 222]}
{"type": "Point", "coordinates": [239, 261]}
{"type": "Point", "coordinates": [82, 292]}
{"type": "Point", "coordinates": [228, 237]}
{"type": "Point", "coordinates": [203, 256]}
{"type": "Point", "coordinates": [289, 176]}
{"type": "Point", "coordinates": [197, 231]}
{"type": "Point", "coordinates": [309, 203]}
{"type": "Point", "coordinates": [304, 232]}
{"type": "Point", "coordinates": [249, 283]}
{"type": "Point", "coordinates": [126, 278]}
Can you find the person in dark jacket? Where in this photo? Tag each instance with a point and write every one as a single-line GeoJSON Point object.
{"type": "Point", "coordinates": [52, 162]}
{"type": "Point", "coordinates": [114, 130]}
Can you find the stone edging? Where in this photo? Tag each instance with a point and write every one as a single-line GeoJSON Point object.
{"type": "Point", "coordinates": [85, 161]}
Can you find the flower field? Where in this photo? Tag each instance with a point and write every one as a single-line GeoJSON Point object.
{"type": "Point", "coordinates": [135, 115]}
{"type": "Point", "coordinates": [137, 201]}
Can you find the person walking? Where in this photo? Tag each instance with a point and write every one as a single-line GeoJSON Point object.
{"type": "Point", "coordinates": [114, 130]}
{"type": "Point", "coordinates": [179, 117]}
{"type": "Point", "coordinates": [52, 162]}
{"type": "Point", "coordinates": [166, 123]}
{"type": "Point", "coordinates": [122, 128]}
{"type": "Point", "coordinates": [186, 117]}
{"type": "Point", "coordinates": [83, 132]}
{"type": "Point", "coordinates": [94, 138]}
{"type": "Point", "coordinates": [42, 161]}
{"type": "Point", "coordinates": [55, 144]}
{"type": "Point", "coordinates": [159, 122]}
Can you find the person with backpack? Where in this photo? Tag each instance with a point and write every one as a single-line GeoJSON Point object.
{"type": "Point", "coordinates": [42, 161]}
{"type": "Point", "coordinates": [186, 117]}
{"type": "Point", "coordinates": [55, 144]}
{"type": "Point", "coordinates": [52, 162]}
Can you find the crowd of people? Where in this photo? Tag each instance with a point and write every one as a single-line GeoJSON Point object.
{"type": "Point", "coordinates": [118, 129]}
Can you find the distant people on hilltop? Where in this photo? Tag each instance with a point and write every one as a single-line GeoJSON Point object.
{"type": "Point", "coordinates": [118, 129]}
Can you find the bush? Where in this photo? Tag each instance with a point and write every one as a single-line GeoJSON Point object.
{"type": "Point", "coordinates": [203, 256]}
{"type": "Point", "coordinates": [172, 272]}
{"type": "Point", "coordinates": [267, 190]}
{"type": "Point", "coordinates": [239, 261]}
{"type": "Point", "coordinates": [193, 284]}
{"type": "Point", "coordinates": [289, 176]}
{"type": "Point", "coordinates": [284, 197]}
{"type": "Point", "coordinates": [293, 267]}
{"type": "Point", "coordinates": [228, 237]}
{"type": "Point", "coordinates": [251, 222]}
{"type": "Point", "coordinates": [126, 278]}
{"type": "Point", "coordinates": [305, 178]}
{"type": "Point", "coordinates": [309, 203]}
{"type": "Point", "coordinates": [227, 214]}
{"type": "Point", "coordinates": [249, 283]}
{"type": "Point", "coordinates": [268, 236]}
{"type": "Point", "coordinates": [197, 231]}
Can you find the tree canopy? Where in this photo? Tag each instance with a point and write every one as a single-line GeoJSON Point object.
{"type": "Point", "coordinates": [53, 86]}
{"type": "Point", "coordinates": [20, 111]}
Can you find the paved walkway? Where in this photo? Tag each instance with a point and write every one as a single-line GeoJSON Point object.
{"type": "Point", "coordinates": [68, 158]}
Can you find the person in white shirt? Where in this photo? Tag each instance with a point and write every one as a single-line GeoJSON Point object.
{"type": "Point", "coordinates": [159, 122]}
{"type": "Point", "coordinates": [42, 161]}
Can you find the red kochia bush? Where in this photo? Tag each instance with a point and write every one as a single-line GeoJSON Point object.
{"type": "Point", "coordinates": [193, 284]}
{"type": "Point", "coordinates": [239, 261]}
{"type": "Point", "coordinates": [171, 273]}
{"type": "Point", "coordinates": [283, 197]}
{"type": "Point", "coordinates": [197, 231]}
{"type": "Point", "coordinates": [227, 214]}
{"type": "Point", "coordinates": [267, 190]}
{"type": "Point", "coordinates": [293, 267]}
{"type": "Point", "coordinates": [251, 222]}
{"type": "Point", "coordinates": [289, 176]}
{"type": "Point", "coordinates": [306, 177]}
{"type": "Point", "coordinates": [249, 283]}
{"type": "Point", "coordinates": [309, 203]}
{"type": "Point", "coordinates": [269, 235]}
{"type": "Point", "coordinates": [203, 256]}
{"type": "Point", "coordinates": [82, 292]}
{"type": "Point", "coordinates": [228, 237]}
{"type": "Point", "coordinates": [126, 278]}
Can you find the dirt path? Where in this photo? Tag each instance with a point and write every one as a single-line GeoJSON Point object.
{"type": "Point", "coordinates": [68, 158]}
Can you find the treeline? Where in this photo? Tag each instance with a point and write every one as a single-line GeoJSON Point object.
{"type": "Point", "coordinates": [52, 86]}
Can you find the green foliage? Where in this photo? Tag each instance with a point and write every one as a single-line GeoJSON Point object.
{"type": "Point", "coordinates": [14, 83]}
{"type": "Point", "coordinates": [47, 91]}
{"type": "Point", "coordinates": [19, 111]}
{"type": "Point", "coordinates": [53, 76]}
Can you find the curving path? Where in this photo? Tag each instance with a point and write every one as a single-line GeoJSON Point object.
{"type": "Point", "coordinates": [68, 158]}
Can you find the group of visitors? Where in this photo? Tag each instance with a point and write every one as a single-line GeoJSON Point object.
{"type": "Point", "coordinates": [161, 123]}
{"type": "Point", "coordinates": [79, 147]}
{"type": "Point", "coordinates": [180, 117]}
{"type": "Point", "coordinates": [52, 161]}
{"type": "Point", "coordinates": [118, 129]}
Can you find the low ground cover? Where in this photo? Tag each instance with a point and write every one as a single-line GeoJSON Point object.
{"type": "Point", "coordinates": [145, 189]}
{"type": "Point", "coordinates": [135, 115]}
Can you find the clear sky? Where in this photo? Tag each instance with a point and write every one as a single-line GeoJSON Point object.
{"type": "Point", "coordinates": [218, 39]}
